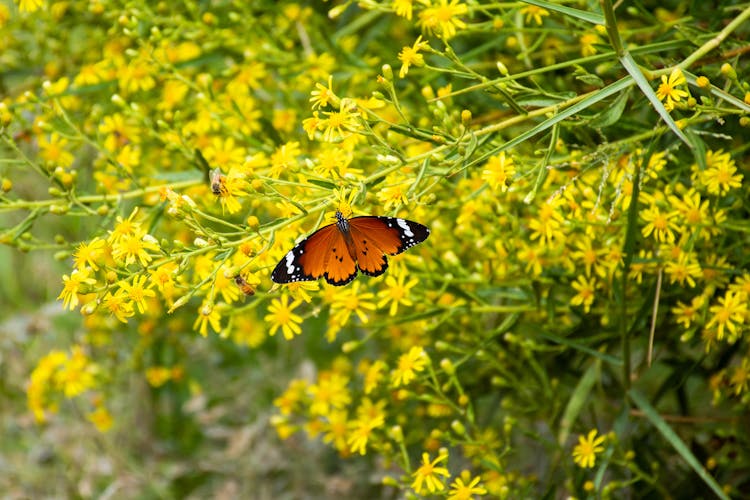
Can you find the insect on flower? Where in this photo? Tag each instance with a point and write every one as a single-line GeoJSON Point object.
{"type": "Point", "coordinates": [336, 251]}
{"type": "Point", "coordinates": [218, 182]}
{"type": "Point", "coordinates": [243, 285]}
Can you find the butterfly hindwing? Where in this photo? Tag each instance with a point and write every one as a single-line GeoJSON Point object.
{"type": "Point", "coordinates": [340, 267]}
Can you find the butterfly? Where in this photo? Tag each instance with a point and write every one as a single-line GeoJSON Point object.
{"type": "Point", "coordinates": [336, 251]}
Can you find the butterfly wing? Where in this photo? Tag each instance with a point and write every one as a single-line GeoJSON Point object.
{"type": "Point", "coordinates": [374, 237]}
{"type": "Point", "coordinates": [323, 253]}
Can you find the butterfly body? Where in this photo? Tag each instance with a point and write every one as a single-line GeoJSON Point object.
{"type": "Point", "coordinates": [337, 251]}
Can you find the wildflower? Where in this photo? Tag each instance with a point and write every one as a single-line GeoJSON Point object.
{"type": "Point", "coordinates": [396, 292]}
{"type": "Point", "coordinates": [30, 5]}
{"type": "Point", "coordinates": [284, 159]}
{"type": "Point", "coordinates": [76, 375]}
{"type": "Point", "coordinates": [281, 315]}
{"type": "Point", "coordinates": [658, 223]}
{"type": "Point", "coordinates": [547, 225]}
{"type": "Point", "coordinates": [410, 56]}
{"type": "Point", "coordinates": [52, 150]}
{"type": "Point", "coordinates": [586, 288]}
{"type": "Point", "coordinates": [329, 393]}
{"type": "Point", "coordinates": [374, 375]}
{"type": "Point", "coordinates": [124, 227]}
{"type": "Point", "coordinates": [339, 124]}
{"type": "Point", "coordinates": [464, 488]}
{"type": "Point", "coordinates": [352, 301]}
{"type": "Point", "coordinates": [137, 291]}
{"type": "Point", "coordinates": [409, 365]}
{"type": "Point", "coordinates": [223, 153]}
{"type": "Point", "coordinates": [136, 75]}
{"type": "Point", "coordinates": [134, 247]}
{"type": "Point", "coordinates": [442, 18]}
{"type": "Point", "coordinates": [728, 314]}
{"type": "Point", "coordinates": [498, 171]}
{"type": "Point", "coordinates": [403, 8]}
{"type": "Point", "coordinates": [88, 254]}
{"type": "Point", "coordinates": [584, 453]}
{"type": "Point", "coordinates": [586, 254]}
{"type": "Point", "coordinates": [369, 417]}
{"type": "Point", "coordinates": [322, 96]}
{"type": "Point", "coordinates": [312, 124]}
{"type": "Point", "coordinates": [532, 12]}
{"type": "Point", "coordinates": [72, 286]}
{"type": "Point", "coordinates": [686, 314]}
{"type": "Point", "coordinates": [719, 176]}
{"type": "Point", "coordinates": [158, 375]}
{"type": "Point", "coordinates": [336, 429]}
{"type": "Point", "coordinates": [294, 395]}
{"type": "Point", "coordinates": [684, 270]}
{"type": "Point", "coordinates": [101, 418]}
{"type": "Point", "coordinates": [667, 88]}
{"type": "Point", "coordinates": [231, 186]}
{"type": "Point", "coordinates": [118, 305]}
{"type": "Point", "coordinates": [207, 315]}
{"type": "Point", "coordinates": [42, 381]}
{"type": "Point", "coordinates": [163, 276]}
{"type": "Point", "coordinates": [587, 41]}
{"type": "Point", "coordinates": [428, 474]}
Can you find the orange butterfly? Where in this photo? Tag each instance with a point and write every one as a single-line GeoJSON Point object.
{"type": "Point", "coordinates": [337, 250]}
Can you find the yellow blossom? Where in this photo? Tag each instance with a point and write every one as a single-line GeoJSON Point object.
{"type": "Point", "coordinates": [281, 316]}
{"type": "Point", "coordinates": [428, 475]}
{"type": "Point", "coordinates": [584, 453]}
{"type": "Point", "coordinates": [668, 90]}
{"type": "Point", "coordinates": [409, 365]}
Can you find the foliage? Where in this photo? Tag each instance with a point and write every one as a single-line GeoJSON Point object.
{"type": "Point", "coordinates": [575, 324]}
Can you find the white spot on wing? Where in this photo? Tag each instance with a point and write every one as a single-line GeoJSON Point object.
{"type": "Point", "coordinates": [290, 262]}
{"type": "Point", "coordinates": [407, 230]}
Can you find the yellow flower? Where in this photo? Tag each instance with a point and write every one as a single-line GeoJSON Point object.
{"type": "Point", "coordinates": [409, 365]}
{"type": "Point", "coordinates": [684, 270]}
{"type": "Point", "coordinates": [137, 291]}
{"type": "Point", "coordinates": [403, 8]}
{"type": "Point", "coordinates": [587, 42]}
{"type": "Point", "coordinates": [330, 393]}
{"type": "Point", "coordinates": [134, 247]}
{"type": "Point", "coordinates": [224, 154]}
{"type": "Point", "coordinates": [499, 171]}
{"type": "Point", "coordinates": [396, 292]}
{"type": "Point", "coordinates": [410, 56]}
{"type": "Point", "coordinates": [659, 223]}
{"type": "Point", "coordinates": [464, 488]}
{"type": "Point", "coordinates": [77, 374]}
{"type": "Point", "coordinates": [427, 475]}
{"type": "Point", "coordinates": [30, 5]}
{"type": "Point", "coordinates": [117, 305]}
{"type": "Point", "coordinates": [158, 375]}
{"type": "Point", "coordinates": [369, 417]}
{"type": "Point", "coordinates": [685, 314]}
{"type": "Point", "coordinates": [281, 316]}
{"type": "Point", "coordinates": [720, 175]}
{"type": "Point", "coordinates": [324, 96]}
{"type": "Point", "coordinates": [101, 418]}
{"type": "Point", "coordinates": [88, 254]}
{"type": "Point", "coordinates": [352, 301]}
{"type": "Point", "coordinates": [340, 124]}
{"type": "Point", "coordinates": [668, 90]}
{"type": "Point", "coordinates": [442, 18]}
{"type": "Point", "coordinates": [374, 375]}
{"type": "Point", "coordinates": [586, 288]}
{"type": "Point", "coordinates": [72, 286]}
{"type": "Point", "coordinates": [532, 12]}
{"type": "Point", "coordinates": [729, 313]}
{"type": "Point", "coordinates": [207, 315]}
{"type": "Point", "coordinates": [52, 150]}
{"type": "Point", "coordinates": [584, 453]}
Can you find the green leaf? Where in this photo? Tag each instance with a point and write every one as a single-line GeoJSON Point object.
{"type": "Point", "coordinates": [578, 399]}
{"type": "Point", "coordinates": [612, 114]}
{"type": "Point", "coordinates": [583, 15]}
{"type": "Point", "coordinates": [682, 449]}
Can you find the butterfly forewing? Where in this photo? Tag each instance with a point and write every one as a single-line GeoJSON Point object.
{"type": "Point", "coordinates": [306, 261]}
